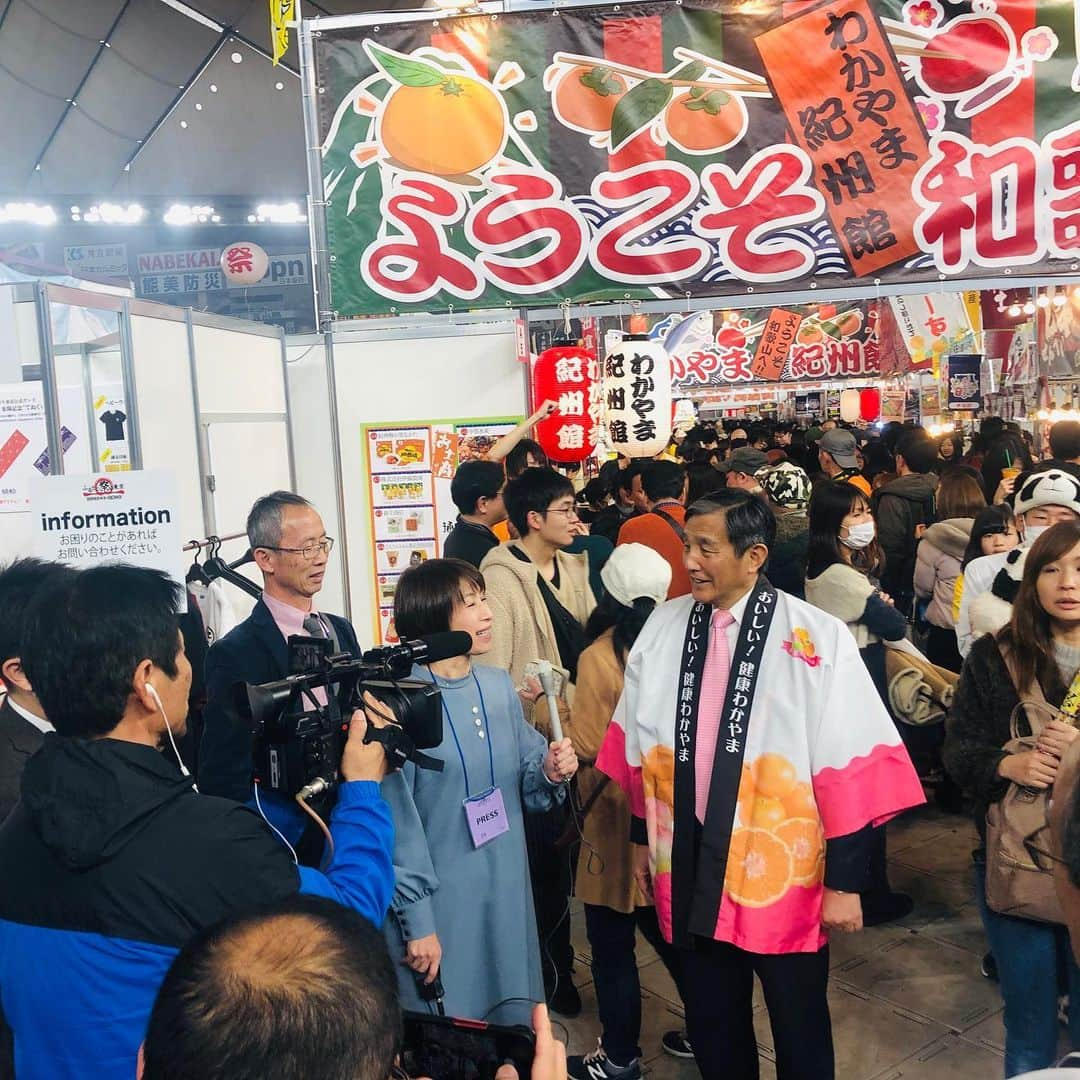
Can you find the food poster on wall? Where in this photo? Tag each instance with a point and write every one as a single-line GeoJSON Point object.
{"type": "Point", "coordinates": [964, 388]}
{"type": "Point", "coordinates": [110, 414]}
{"type": "Point", "coordinates": [22, 437]}
{"type": "Point", "coordinates": [932, 325]}
{"type": "Point", "coordinates": [410, 467]}
{"type": "Point", "coordinates": [892, 405]}
{"type": "Point", "coordinates": [696, 149]}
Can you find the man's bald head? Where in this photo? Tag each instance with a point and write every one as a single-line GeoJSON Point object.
{"type": "Point", "coordinates": [304, 989]}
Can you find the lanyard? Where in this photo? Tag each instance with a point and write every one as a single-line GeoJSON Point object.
{"type": "Point", "coordinates": [453, 731]}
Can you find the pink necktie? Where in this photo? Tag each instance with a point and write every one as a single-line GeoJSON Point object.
{"type": "Point", "coordinates": [714, 682]}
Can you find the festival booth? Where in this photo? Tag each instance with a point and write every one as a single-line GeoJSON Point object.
{"type": "Point", "coordinates": [799, 204]}
{"type": "Point", "coordinates": [103, 385]}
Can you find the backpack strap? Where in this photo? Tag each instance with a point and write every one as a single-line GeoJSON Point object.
{"type": "Point", "coordinates": [680, 532]}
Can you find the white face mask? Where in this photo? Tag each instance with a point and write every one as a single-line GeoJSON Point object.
{"type": "Point", "coordinates": [859, 536]}
{"type": "Point", "coordinates": [1033, 532]}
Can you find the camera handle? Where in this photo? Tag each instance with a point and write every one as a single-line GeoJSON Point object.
{"type": "Point", "coordinates": [399, 747]}
{"type": "Point", "coordinates": [431, 991]}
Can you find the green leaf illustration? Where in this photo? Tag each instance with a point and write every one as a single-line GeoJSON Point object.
{"type": "Point", "coordinates": [690, 71]}
{"type": "Point", "coordinates": [406, 70]}
{"type": "Point", "coordinates": [639, 108]}
{"type": "Point", "coordinates": [602, 81]}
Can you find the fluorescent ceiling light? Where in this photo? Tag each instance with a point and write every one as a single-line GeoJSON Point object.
{"type": "Point", "coordinates": [115, 214]}
{"type": "Point", "coordinates": [280, 213]}
{"type": "Point", "coordinates": [196, 16]}
{"type": "Point", "coordinates": [182, 214]}
{"type": "Point", "coordinates": [27, 213]}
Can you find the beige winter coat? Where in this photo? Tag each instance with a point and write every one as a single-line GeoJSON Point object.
{"type": "Point", "coordinates": [522, 632]}
{"type": "Point", "coordinates": [937, 566]}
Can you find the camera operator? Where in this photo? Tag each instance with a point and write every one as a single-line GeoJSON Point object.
{"type": "Point", "coordinates": [303, 989]}
{"type": "Point", "coordinates": [111, 861]}
{"type": "Point", "coordinates": [291, 549]}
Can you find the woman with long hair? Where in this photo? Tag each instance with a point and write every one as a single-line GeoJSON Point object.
{"type": "Point", "coordinates": [462, 906]}
{"type": "Point", "coordinates": [636, 578]}
{"type": "Point", "coordinates": [959, 498]}
{"type": "Point", "coordinates": [843, 562]}
{"type": "Point", "coordinates": [1039, 651]}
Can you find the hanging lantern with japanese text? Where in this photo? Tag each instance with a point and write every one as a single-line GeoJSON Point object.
{"type": "Point", "coordinates": [244, 263]}
{"type": "Point", "coordinates": [637, 395]}
{"type": "Point", "coordinates": [569, 376]}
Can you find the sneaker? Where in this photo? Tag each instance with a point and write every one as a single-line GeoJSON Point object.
{"type": "Point", "coordinates": [566, 1001]}
{"type": "Point", "coordinates": [598, 1066]}
{"type": "Point", "coordinates": [676, 1044]}
{"type": "Point", "coordinates": [989, 967]}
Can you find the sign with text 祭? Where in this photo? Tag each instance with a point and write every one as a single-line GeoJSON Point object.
{"type": "Point", "coordinates": [964, 389]}
{"type": "Point", "coordinates": [22, 438]}
{"type": "Point", "coordinates": [666, 150]}
{"type": "Point", "coordinates": [409, 468]}
{"type": "Point", "coordinates": [796, 343]}
{"type": "Point", "coordinates": [95, 519]}
{"type": "Point", "coordinates": [99, 260]}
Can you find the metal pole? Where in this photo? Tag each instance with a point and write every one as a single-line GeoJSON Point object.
{"type": "Point", "coordinates": [320, 252]}
{"type": "Point", "coordinates": [209, 516]}
{"type": "Point", "coordinates": [48, 381]}
{"type": "Point", "coordinates": [335, 437]}
{"type": "Point", "coordinates": [127, 367]}
{"type": "Point", "coordinates": [288, 411]}
{"type": "Point", "coordinates": [91, 415]}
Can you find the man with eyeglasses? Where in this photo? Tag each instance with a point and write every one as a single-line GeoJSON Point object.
{"type": "Point", "coordinates": [540, 598]}
{"type": "Point", "coordinates": [292, 550]}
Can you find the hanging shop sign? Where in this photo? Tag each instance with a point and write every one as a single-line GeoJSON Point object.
{"type": "Point", "coordinates": [933, 325]}
{"type": "Point", "coordinates": [409, 468]}
{"type": "Point", "coordinates": [796, 343]}
{"type": "Point", "coordinates": [569, 376]}
{"type": "Point", "coordinates": [637, 388]}
{"type": "Point", "coordinates": [165, 273]}
{"type": "Point", "coordinates": [964, 390]}
{"type": "Point", "coordinates": [94, 519]}
{"type": "Point", "coordinates": [99, 260]}
{"type": "Point", "coordinates": [694, 150]}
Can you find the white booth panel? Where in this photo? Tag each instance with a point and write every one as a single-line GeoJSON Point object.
{"type": "Point", "coordinates": [238, 372]}
{"type": "Point", "coordinates": [472, 371]}
{"type": "Point", "coordinates": [166, 411]}
{"type": "Point", "coordinates": [309, 416]}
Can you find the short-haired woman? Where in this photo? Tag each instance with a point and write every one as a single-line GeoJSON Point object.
{"type": "Point", "coordinates": [462, 907]}
{"type": "Point", "coordinates": [1039, 651]}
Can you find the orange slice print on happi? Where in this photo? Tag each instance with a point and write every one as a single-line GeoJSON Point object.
{"type": "Point", "coordinates": [774, 776]}
{"type": "Point", "coordinates": [759, 868]}
{"type": "Point", "coordinates": [658, 774]}
{"type": "Point", "coordinates": [800, 802]}
{"type": "Point", "coordinates": [804, 839]}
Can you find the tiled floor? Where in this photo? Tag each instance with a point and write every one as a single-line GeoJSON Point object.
{"type": "Point", "coordinates": [907, 999]}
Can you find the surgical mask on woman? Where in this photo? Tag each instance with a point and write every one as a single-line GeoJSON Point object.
{"type": "Point", "coordinates": [859, 536]}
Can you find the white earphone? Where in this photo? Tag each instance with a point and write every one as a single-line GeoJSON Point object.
{"type": "Point", "coordinates": [150, 689]}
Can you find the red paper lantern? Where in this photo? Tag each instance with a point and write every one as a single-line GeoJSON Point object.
{"type": "Point", "coordinates": [869, 404]}
{"type": "Point", "coordinates": [569, 376]}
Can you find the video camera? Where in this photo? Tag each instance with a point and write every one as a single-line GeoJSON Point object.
{"type": "Point", "coordinates": [298, 740]}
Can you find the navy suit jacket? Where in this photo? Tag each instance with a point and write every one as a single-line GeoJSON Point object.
{"type": "Point", "coordinates": [19, 741]}
{"type": "Point", "coordinates": [253, 652]}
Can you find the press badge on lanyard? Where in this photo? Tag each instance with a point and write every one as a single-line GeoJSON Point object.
{"type": "Point", "coordinates": [485, 814]}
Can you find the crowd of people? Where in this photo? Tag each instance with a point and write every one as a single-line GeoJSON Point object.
{"type": "Point", "coordinates": [697, 690]}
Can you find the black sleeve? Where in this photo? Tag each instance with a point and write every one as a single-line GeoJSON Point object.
{"type": "Point", "coordinates": [847, 861]}
{"type": "Point", "coordinates": [883, 619]}
{"type": "Point", "coordinates": [639, 833]}
{"type": "Point", "coordinates": [225, 750]}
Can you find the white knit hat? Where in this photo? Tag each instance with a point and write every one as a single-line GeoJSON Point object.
{"type": "Point", "coordinates": [635, 570]}
{"type": "Point", "coordinates": [1050, 487]}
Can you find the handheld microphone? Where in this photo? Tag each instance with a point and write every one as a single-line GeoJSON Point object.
{"type": "Point", "coordinates": [425, 650]}
{"type": "Point", "coordinates": [546, 674]}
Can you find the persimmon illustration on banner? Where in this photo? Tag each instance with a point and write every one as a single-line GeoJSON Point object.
{"type": "Point", "coordinates": [675, 151]}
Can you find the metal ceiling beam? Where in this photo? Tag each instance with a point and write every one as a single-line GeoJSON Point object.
{"type": "Point", "coordinates": [7, 8]}
{"type": "Point", "coordinates": [74, 99]}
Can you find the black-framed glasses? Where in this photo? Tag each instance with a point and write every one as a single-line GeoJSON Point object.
{"type": "Point", "coordinates": [571, 512]}
{"type": "Point", "coordinates": [1044, 860]}
{"type": "Point", "coordinates": [309, 551]}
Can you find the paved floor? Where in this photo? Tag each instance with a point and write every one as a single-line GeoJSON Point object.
{"type": "Point", "coordinates": [907, 999]}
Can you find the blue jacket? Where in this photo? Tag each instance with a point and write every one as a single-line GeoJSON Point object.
{"type": "Point", "coordinates": [253, 652]}
{"type": "Point", "coordinates": [110, 863]}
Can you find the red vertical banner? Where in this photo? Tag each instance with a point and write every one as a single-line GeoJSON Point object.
{"type": "Point", "coordinates": [469, 40]}
{"type": "Point", "coordinates": [836, 78]}
{"type": "Point", "coordinates": [777, 337]}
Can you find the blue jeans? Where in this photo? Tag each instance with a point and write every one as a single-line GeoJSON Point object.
{"type": "Point", "coordinates": [1029, 957]}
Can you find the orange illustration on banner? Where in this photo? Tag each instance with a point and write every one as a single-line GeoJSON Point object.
{"type": "Point", "coordinates": [838, 81]}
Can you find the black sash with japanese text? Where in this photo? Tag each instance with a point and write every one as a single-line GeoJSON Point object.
{"type": "Point", "coordinates": [698, 868]}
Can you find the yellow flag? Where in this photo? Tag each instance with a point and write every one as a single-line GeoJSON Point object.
{"type": "Point", "coordinates": [282, 12]}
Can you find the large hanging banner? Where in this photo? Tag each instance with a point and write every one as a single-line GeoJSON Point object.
{"type": "Point", "coordinates": [675, 150]}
